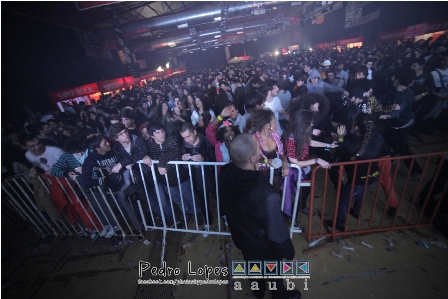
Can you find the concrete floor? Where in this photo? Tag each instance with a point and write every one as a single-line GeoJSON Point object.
{"type": "Point", "coordinates": [71, 267]}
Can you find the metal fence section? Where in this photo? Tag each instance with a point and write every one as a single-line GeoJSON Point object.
{"type": "Point", "coordinates": [417, 201]}
{"type": "Point", "coordinates": [70, 210]}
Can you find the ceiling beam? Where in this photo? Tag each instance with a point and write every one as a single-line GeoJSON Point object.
{"type": "Point", "coordinates": [169, 6]}
{"type": "Point", "coordinates": [154, 10]}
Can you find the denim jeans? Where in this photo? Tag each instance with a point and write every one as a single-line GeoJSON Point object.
{"type": "Point", "coordinates": [187, 197]}
{"type": "Point", "coordinates": [344, 201]}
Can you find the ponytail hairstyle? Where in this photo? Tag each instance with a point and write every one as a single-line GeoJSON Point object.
{"type": "Point", "coordinates": [366, 127]}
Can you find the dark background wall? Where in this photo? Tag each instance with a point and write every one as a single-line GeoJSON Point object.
{"type": "Point", "coordinates": [393, 15]}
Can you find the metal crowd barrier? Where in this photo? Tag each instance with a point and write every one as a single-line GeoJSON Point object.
{"type": "Point", "coordinates": [414, 198]}
{"type": "Point", "coordinates": [111, 211]}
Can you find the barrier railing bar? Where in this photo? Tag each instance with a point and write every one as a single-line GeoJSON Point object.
{"type": "Point", "coordinates": [192, 194]}
{"type": "Point", "coordinates": [217, 197]}
{"type": "Point", "coordinates": [375, 200]}
{"type": "Point", "coordinates": [118, 207]}
{"type": "Point", "coordinates": [37, 212]}
{"type": "Point", "coordinates": [205, 199]}
{"type": "Point", "coordinates": [90, 205]}
{"type": "Point", "coordinates": [141, 165]}
{"type": "Point", "coordinates": [32, 192]}
{"type": "Point", "coordinates": [366, 184]}
{"type": "Point", "coordinates": [24, 212]}
{"type": "Point", "coordinates": [418, 186]}
{"type": "Point", "coordinates": [180, 193]}
{"type": "Point", "coordinates": [355, 170]}
{"type": "Point", "coordinates": [439, 202]}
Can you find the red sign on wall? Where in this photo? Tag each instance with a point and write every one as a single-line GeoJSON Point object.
{"type": "Point", "coordinates": [415, 30]}
{"type": "Point", "coordinates": [109, 85]}
{"type": "Point", "coordinates": [74, 92]}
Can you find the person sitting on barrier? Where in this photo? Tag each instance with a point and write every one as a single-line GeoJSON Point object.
{"type": "Point", "coordinates": [365, 144]}
{"type": "Point", "coordinates": [130, 149]}
{"type": "Point", "coordinates": [197, 149]}
{"type": "Point", "coordinates": [253, 211]}
{"type": "Point", "coordinates": [220, 137]}
{"type": "Point", "coordinates": [100, 168]}
{"type": "Point", "coordinates": [166, 149]}
{"type": "Point", "coordinates": [263, 124]}
{"type": "Point", "coordinates": [297, 150]}
{"type": "Point", "coordinates": [69, 166]}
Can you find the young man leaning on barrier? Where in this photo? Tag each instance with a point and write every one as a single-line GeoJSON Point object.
{"type": "Point", "coordinates": [69, 166]}
{"type": "Point", "coordinates": [96, 170]}
{"type": "Point", "coordinates": [129, 150]}
{"type": "Point", "coordinates": [166, 149]}
{"type": "Point", "coordinates": [196, 148]}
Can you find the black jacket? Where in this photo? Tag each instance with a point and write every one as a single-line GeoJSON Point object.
{"type": "Point", "coordinates": [207, 151]}
{"type": "Point", "coordinates": [166, 152]}
{"type": "Point", "coordinates": [253, 211]}
{"type": "Point", "coordinates": [350, 147]}
{"type": "Point", "coordinates": [137, 153]}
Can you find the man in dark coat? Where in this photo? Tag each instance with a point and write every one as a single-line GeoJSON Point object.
{"type": "Point", "coordinates": [253, 211]}
{"type": "Point", "coordinates": [196, 148]}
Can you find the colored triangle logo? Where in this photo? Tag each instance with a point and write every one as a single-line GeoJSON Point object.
{"type": "Point", "coordinates": [238, 268]}
{"type": "Point", "coordinates": [286, 267]}
{"type": "Point", "coordinates": [271, 267]}
{"type": "Point", "coordinates": [304, 268]}
{"type": "Point", "coordinates": [255, 268]}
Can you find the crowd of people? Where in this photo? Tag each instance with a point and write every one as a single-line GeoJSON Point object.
{"type": "Point", "coordinates": [305, 108]}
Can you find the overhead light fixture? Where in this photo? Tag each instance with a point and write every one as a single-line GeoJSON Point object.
{"type": "Point", "coordinates": [240, 32]}
{"type": "Point", "coordinates": [191, 51]}
{"type": "Point", "coordinates": [217, 36]}
{"type": "Point", "coordinates": [276, 52]}
{"type": "Point", "coordinates": [217, 19]}
{"type": "Point", "coordinates": [216, 47]}
{"type": "Point", "coordinates": [180, 26]}
{"type": "Point", "coordinates": [255, 39]}
{"type": "Point", "coordinates": [172, 44]}
{"type": "Point", "coordinates": [204, 49]}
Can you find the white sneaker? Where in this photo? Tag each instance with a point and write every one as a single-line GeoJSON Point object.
{"type": "Point", "coordinates": [206, 230]}
{"type": "Point", "coordinates": [110, 233]}
{"type": "Point", "coordinates": [94, 236]}
{"type": "Point", "coordinates": [104, 231]}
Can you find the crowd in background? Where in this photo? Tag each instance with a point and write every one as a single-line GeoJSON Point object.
{"type": "Point", "coordinates": [305, 108]}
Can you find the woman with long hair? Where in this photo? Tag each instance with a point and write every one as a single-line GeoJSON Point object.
{"type": "Point", "coordinates": [178, 113]}
{"type": "Point", "coordinates": [298, 152]}
{"type": "Point", "coordinates": [145, 112]}
{"type": "Point", "coordinates": [165, 115]}
{"type": "Point", "coordinates": [93, 122]}
{"type": "Point", "coordinates": [189, 106]}
{"type": "Point", "coordinates": [201, 105]}
{"type": "Point", "coordinates": [364, 144]}
{"type": "Point", "coordinates": [263, 124]}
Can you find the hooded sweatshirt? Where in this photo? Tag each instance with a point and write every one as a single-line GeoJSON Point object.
{"type": "Point", "coordinates": [253, 211]}
{"type": "Point", "coordinates": [321, 87]}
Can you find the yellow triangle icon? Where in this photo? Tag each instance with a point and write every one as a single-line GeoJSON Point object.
{"type": "Point", "coordinates": [255, 268]}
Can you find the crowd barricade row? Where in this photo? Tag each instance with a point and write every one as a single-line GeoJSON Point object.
{"type": "Point", "coordinates": [418, 200]}
{"type": "Point", "coordinates": [159, 203]}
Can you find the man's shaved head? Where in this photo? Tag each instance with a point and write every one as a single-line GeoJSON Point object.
{"type": "Point", "coordinates": [242, 148]}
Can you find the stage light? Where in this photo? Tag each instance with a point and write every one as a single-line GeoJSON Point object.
{"type": "Point", "coordinates": [160, 69]}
